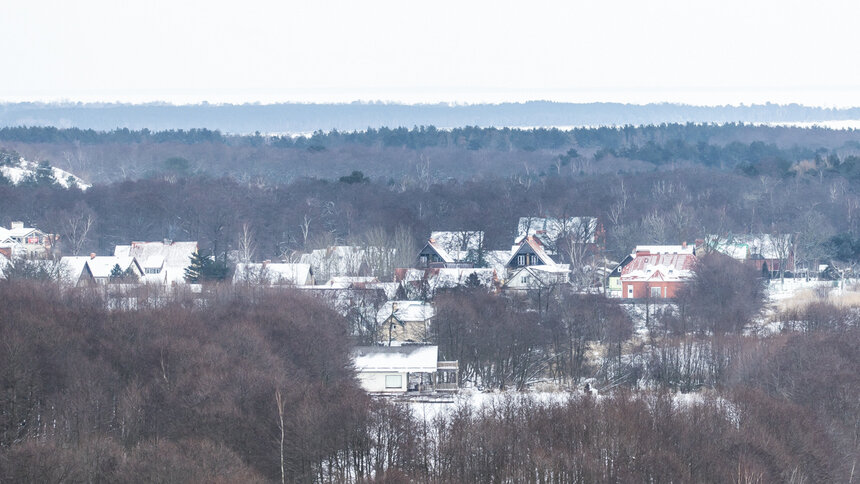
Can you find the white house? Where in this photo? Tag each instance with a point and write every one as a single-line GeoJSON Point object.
{"type": "Point", "coordinates": [162, 262]}
{"type": "Point", "coordinates": [387, 369]}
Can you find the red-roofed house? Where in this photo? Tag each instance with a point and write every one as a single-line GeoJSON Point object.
{"type": "Point", "coordinates": [657, 271]}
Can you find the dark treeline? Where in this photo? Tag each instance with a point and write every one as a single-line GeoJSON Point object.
{"type": "Point", "coordinates": [400, 153]}
{"type": "Point", "coordinates": [247, 385]}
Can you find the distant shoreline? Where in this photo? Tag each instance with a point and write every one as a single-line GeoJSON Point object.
{"type": "Point", "coordinates": [301, 118]}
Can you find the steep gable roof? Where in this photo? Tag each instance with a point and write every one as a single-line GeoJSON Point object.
{"type": "Point", "coordinates": [535, 247]}
{"type": "Point", "coordinates": [102, 266]}
{"type": "Point", "coordinates": [439, 250]}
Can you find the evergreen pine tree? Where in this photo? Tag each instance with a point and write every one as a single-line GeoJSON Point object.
{"type": "Point", "coordinates": [116, 273]}
{"type": "Point", "coordinates": [196, 268]}
{"type": "Point", "coordinates": [204, 268]}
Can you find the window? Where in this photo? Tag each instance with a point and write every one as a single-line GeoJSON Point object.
{"type": "Point", "coordinates": [393, 381]}
{"type": "Point", "coordinates": [521, 259]}
{"type": "Point", "coordinates": [423, 259]}
{"type": "Point", "coordinates": [152, 270]}
{"type": "Point", "coordinates": [655, 292]}
{"type": "Point", "coordinates": [526, 279]}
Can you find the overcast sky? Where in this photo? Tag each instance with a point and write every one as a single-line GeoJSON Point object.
{"type": "Point", "coordinates": [716, 52]}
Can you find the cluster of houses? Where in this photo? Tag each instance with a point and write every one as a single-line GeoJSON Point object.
{"type": "Point", "coordinates": [546, 253]}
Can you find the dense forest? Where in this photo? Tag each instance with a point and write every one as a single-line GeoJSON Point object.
{"type": "Point", "coordinates": [254, 386]}
{"type": "Point", "coordinates": [395, 155]}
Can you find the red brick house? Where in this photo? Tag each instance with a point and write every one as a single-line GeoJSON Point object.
{"type": "Point", "coordinates": [657, 271]}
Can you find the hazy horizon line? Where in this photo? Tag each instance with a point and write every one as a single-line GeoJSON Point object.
{"type": "Point", "coordinates": [382, 102]}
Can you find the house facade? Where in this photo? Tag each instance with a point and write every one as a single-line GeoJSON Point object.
{"type": "Point", "coordinates": [162, 262]}
{"type": "Point", "coordinates": [529, 252]}
{"type": "Point", "coordinates": [537, 277]}
{"type": "Point", "coordinates": [19, 241]}
{"type": "Point", "coordinates": [404, 322]}
{"type": "Point", "coordinates": [402, 369]}
{"type": "Point", "coordinates": [657, 271]}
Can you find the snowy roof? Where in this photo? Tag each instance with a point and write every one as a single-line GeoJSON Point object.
{"type": "Point", "coordinates": [101, 266]}
{"type": "Point", "coordinates": [458, 242]}
{"type": "Point", "coordinates": [293, 274]}
{"type": "Point", "coordinates": [176, 257]}
{"type": "Point", "coordinates": [750, 246]}
{"type": "Point", "coordinates": [154, 261]}
{"type": "Point", "coordinates": [665, 249]}
{"type": "Point", "coordinates": [536, 247]}
{"type": "Point", "coordinates": [409, 358]}
{"type": "Point", "coordinates": [550, 229]}
{"type": "Point", "coordinates": [347, 281]}
{"type": "Point", "coordinates": [70, 268]}
{"type": "Point", "coordinates": [405, 311]}
{"type": "Point", "coordinates": [443, 254]}
{"type": "Point", "coordinates": [659, 267]}
{"type": "Point", "coordinates": [544, 274]}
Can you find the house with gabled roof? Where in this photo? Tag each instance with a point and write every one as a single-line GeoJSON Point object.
{"type": "Point", "coordinates": [434, 255]}
{"type": "Point", "coordinates": [657, 271]}
{"type": "Point", "coordinates": [98, 269]}
{"type": "Point", "coordinates": [162, 262]}
{"type": "Point", "coordinates": [404, 321]}
{"type": "Point", "coordinates": [529, 252]}
{"type": "Point", "coordinates": [19, 241]}
{"type": "Point", "coordinates": [93, 269]}
{"type": "Point", "coordinates": [452, 249]}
